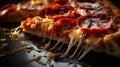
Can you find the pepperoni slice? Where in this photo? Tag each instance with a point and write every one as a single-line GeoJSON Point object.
{"type": "Point", "coordinates": [51, 9]}
{"type": "Point", "coordinates": [69, 15]}
{"type": "Point", "coordinates": [96, 25]}
{"type": "Point", "coordinates": [62, 26]}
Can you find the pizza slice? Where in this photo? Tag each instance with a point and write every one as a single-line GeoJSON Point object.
{"type": "Point", "coordinates": [20, 11]}
{"type": "Point", "coordinates": [86, 24]}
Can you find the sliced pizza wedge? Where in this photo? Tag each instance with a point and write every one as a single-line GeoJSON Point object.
{"type": "Point", "coordinates": [86, 24]}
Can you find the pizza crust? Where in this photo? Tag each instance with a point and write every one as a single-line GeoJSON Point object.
{"type": "Point", "coordinates": [111, 7]}
{"type": "Point", "coordinates": [112, 45]}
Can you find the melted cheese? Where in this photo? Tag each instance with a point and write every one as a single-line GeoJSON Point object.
{"type": "Point", "coordinates": [45, 26]}
{"type": "Point", "coordinates": [37, 19]}
{"type": "Point", "coordinates": [36, 1]}
{"type": "Point", "coordinates": [73, 39]}
{"type": "Point", "coordinates": [76, 36]}
{"type": "Point", "coordinates": [56, 44]}
{"type": "Point", "coordinates": [78, 45]}
{"type": "Point", "coordinates": [90, 45]}
{"type": "Point", "coordinates": [45, 1]}
{"type": "Point", "coordinates": [18, 7]}
{"type": "Point", "coordinates": [86, 50]}
{"type": "Point", "coordinates": [61, 46]}
{"type": "Point", "coordinates": [46, 23]}
{"type": "Point", "coordinates": [81, 11]}
{"type": "Point", "coordinates": [72, 3]}
{"type": "Point", "coordinates": [3, 12]}
{"type": "Point", "coordinates": [15, 33]}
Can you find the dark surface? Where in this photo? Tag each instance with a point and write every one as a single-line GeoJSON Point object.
{"type": "Point", "coordinates": [20, 59]}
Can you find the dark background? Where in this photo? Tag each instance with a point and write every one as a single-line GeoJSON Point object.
{"type": "Point", "coordinates": [116, 2]}
{"type": "Point", "coordinates": [2, 2]}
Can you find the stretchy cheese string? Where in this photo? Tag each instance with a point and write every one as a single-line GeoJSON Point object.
{"type": "Point", "coordinates": [81, 50]}
{"type": "Point", "coordinates": [15, 32]}
{"type": "Point", "coordinates": [61, 46]}
{"type": "Point", "coordinates": [56, 44]}
{"type": "Point", "coordinates": [48, 44]}
{"type": "Point", "coordinates": [71, 43]}
{"type": "Point", "coordinates": [44, 29]}
{"type": "Point", "coordinates": [78, 45]}
{"type": "Point", "coordinates": [50, 36]}
{"type": "Point", "coordinates": [73, 36]}
{"type": "Point", "coordinates": [87, 48]}
{"type": "Point", "coordinates": [16, 29]}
